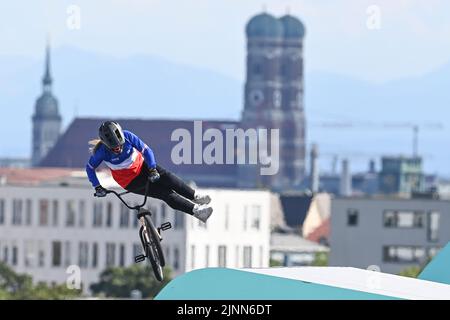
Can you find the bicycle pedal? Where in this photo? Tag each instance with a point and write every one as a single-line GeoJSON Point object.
{"type": "Point", "coordinates": [165, 226]}
{"type": "Point", "coordinates": [139, 258]}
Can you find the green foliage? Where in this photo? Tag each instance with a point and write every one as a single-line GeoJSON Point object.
{"type": "Point", "coordinates": [20, 286]}
{"type": "Point", "coordinates": [320, 259]}
{"type": "Point", "coordinates": [412, 272]}
{"type": "Point", "coordinates": [120, 281]}
{"type": "Point", "coordinates": [275, 263]}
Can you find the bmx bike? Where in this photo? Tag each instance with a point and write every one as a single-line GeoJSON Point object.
{"type": "Point", "coordinates": [150, 235]}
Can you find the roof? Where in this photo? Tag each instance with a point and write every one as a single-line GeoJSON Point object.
{"type": "Point", "coordinates": [288, 242]}
{"type": "Point", "coordinates": [292, 27]}
{"type": "Point", "coordinates": [33, 176]}
{"type": "Point", "coordinates": [295, 207]}
{"type": "Point", "coordinates": [72, 149]}
{"type": "Point", "coordinates": [264, 25]}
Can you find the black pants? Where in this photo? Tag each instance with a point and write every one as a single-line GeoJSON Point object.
{"type": "Point", "coordinates": [168, 188]}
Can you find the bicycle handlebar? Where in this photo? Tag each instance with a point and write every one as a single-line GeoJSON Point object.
{"type": "Point", "coordinates": [119, 195]}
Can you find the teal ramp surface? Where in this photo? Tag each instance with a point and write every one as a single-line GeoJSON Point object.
{"type": "Point", "coordinates": [232, 284]}
{"type": "Point", "coordinates": [438, 269]}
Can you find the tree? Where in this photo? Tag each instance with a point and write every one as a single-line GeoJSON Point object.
{"type": "Point", "coordinates": [120, 281]}
{"type": "Point", "coordinates": [20, 286]}
{"type": "Point", "coordinates": [275, 263]}
{"type": "Point", "coordinates": [320, 259]}
{"type": "Point", "coordinates": [411, 272]}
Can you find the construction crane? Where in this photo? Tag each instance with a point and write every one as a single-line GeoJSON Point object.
{"type": "Point", "coordinates": [384, 125]}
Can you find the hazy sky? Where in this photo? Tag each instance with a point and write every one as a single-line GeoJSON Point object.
{"type": "Point", "coordinates": [413, 37]}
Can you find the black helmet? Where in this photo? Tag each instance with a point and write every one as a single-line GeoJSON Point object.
{"type": "Point", "coordinates": [111, 134]}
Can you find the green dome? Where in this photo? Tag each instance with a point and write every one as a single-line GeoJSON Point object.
{"type": "Point", "coordinates": [264, 25]}
{"type": "Point", "coordinates": [292, 27]}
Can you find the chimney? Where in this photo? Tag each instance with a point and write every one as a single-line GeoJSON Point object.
{"type": "Point", "coordinates": [314, 171]}
{"type": "Point", "coordinates": [346, 180]}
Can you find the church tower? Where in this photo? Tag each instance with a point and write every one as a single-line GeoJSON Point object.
{"type": "Point", "coordinates": [46, 118]}
{"type": "Point", "coordinates": [274, 97]}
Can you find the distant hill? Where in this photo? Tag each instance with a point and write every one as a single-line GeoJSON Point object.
{"type": "Point", "coordinates": [151, 87]}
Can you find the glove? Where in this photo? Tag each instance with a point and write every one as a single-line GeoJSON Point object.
{"type": "Point", "coordinates": [153, 175]}
{"type": "Point", "coordinates": [100, 191]}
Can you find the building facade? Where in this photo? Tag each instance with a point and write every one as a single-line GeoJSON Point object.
{"type": "Point", "coordinates": [401, 175]}
{"type": "Point", "coordinates": [46, 118]}
{"type": "Point", "coordinates": [274, 97]}
{"type": "Point", "coordinates": [45, 229]}
{"type": "Point", "coordinates": [390, 233]}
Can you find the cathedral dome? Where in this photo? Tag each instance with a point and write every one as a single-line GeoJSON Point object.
{"type": "Point", "coordinates": [292, 27]}
{"type": "Point", "coordinates": [264, 25]}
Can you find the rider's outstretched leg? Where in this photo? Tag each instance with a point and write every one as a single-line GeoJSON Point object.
{"type": "Point", "coordinates": [171, 181]}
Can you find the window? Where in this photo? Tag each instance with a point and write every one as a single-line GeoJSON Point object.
{"type": "Point", "coordinates": [137, 249]}
{"type": "Point", "coordinates": [5, 254]}
{"type": "Point", "coordinates": [222, 251]}
{"type": "Point", "coordinates": [167, 255]}
{"type": "Point", "coordinates": [97, 216]}
{"type": "Point", "coordinates": [14, 255]}
{"type": "Point", "coordinates": [256, 68]}
{"type": "Point", "coordinates": [403, 219]}
{"type": "Point", "coordinates": [55, 212]}
{"type": "Point", "coordinates": [247, 257]}
{"type": "Point", "coordinates": [245, 217]}
{"type": "Point", "coordinates": [70, 213]}
{"type": "Point", "coordinates": [261, 253]}
{"type": "Point", "coordinates": [163, 213]}
{"type": "Point", "coordinates": [29, 212]}
{"type": "Point", "coordinates": [135, 223]}
{"type": "Point", "coordinates": [82, 213]}
{"type": "Point", "coordinates": [67, 253]}
{"type": "Point", "coordinates": [56, 253]}
{"type": "Point", "coordinates": [41, 254]}
{"type": "Point", "coordinates": [176, 259]}
{"type": "Point", "coordinates": [110, 254]}
{"type": "Point", "coordinates": [432, 251]}
{"type": "Point", "coordinates": [122, 255]}
{"type": "Point", "coordinates": [154, 212]}
{"type": "Point", "coordinates": [109, 217]}
{"type": "Point", "coordinates": [403, 254]}
{"type": "Point", "coordinates": [352, 217]}
{"type": "Point", "coordinates": [124, 217]}
{"type": "Point", "coordinates": [2, 211]}
{"type": "Point", "coordinates": [29, 251]}
{"type": "Point", "coordinates": [17, 212]}
{"type": "Point", "coordinates": [433, 226]}
{"type": "Point", "coordinates": [207, 256]}
{"type": "Point", "coordinates": [256, 217]}
{"type": "Point", "coordinates": [94, 255]}
{"type": "Point", "coordinates": [43, 212]}
{"type": "Point", "coordinates": [192, 256]}
{"type": "Point", "coordinates": [83, 251]}
{"type": "Point", "coordinates": [227, 216]}
{"type": "Point", "coordinates": [179, 219]}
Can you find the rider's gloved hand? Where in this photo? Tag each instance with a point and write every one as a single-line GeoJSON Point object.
{"type": "Point", "coordinates": [100, 191]}
{"type": "Point", "coordinates": [153, 175]}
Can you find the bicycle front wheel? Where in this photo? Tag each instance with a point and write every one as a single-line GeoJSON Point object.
{"type": "Point", "coordinates": [154, 251]}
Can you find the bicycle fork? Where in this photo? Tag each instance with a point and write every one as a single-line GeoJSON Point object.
{"type": "Point", "coordinates": [144, 234]}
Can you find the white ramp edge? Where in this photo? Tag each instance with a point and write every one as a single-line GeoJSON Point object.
{"type": "Point", "coordinates": [361, 280]}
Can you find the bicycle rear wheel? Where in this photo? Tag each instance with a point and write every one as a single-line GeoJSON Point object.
{"type": "Point", "coordinates": [154, 251]}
